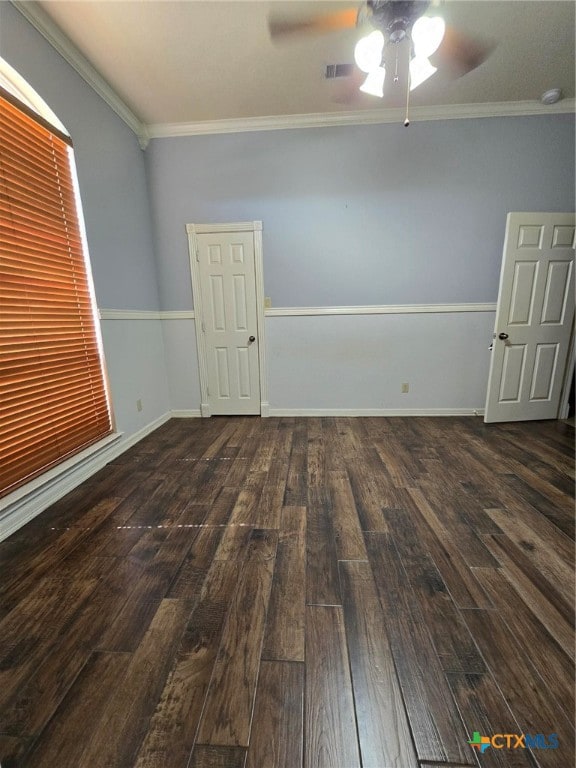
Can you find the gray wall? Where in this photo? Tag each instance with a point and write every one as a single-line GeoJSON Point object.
{"type": "Point", "coordinates": [364, 215]}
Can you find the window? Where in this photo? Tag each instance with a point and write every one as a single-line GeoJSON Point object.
{"type": "Point", "coordinates": [53, 396]}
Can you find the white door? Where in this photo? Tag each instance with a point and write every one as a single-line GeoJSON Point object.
{"type": "Point", "coordinates": [534, 318]}
{"type": "Point", "coordinates": [229, 322]}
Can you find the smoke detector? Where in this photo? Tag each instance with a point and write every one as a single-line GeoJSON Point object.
{"type": "Point", "coordinates": [551, 96]}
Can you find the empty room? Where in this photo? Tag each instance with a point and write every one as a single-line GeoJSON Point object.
{"type": "Point", "coordinates": [287, 383]}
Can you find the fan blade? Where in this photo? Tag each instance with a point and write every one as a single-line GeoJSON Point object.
{"type": "Point", "coordinates": [283, 27]}
{"type": "Point", "coordinates": [460, 53]}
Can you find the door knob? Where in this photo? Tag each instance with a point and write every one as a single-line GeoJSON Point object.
{"type": "Point", "coordinates": [251, 339]}
{"type": "Point", "coordinates": [503, 336]}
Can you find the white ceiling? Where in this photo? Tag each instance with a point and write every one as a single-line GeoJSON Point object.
{"type": "Point", "coordinates": [205, 60]}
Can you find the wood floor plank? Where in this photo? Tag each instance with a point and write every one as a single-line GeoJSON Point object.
{"type": "Point", "coordinates": [537, 455]}
{"type": "Point", "coordinates": [550, 551]}
{"type": "Point", "coordinates": [485, 711]}
{"type": "Point", "coordinates": [12, 751]}
{"type": "Point", "coordinates": [283, 444]}
{"type": "Point", "coordinates": [238, 471]}
{"type": "Point", "coordinates": [554, 666]}
{"type": "Point", "coordinates": [220, 443]}
{"type": "Point", "coordinates": [562, 518]}
{"type": "Point", "coordinates": [383, 728]}
{"type": "Point", "coordinates": [538, 594]}
{"type": "Point", "coordinates": [284, 635]}
{"type": "Point", "coordinates": [31, 630]}
{"type": "Point", "coordinates": [437, 729]}
{"type": "Point", "coordinates": [123, 726]}
{"type": "Point", "coordinates": [536, 709]}
{"type": "Point", "coordinates": [295, 489]}
{"type": "Point", "coordinates": [129, 626]}
{"type": "Point", "coordinates": [269, 509]}
{"type": "Point", "coordinates": [444, 516]}
{"type": "Point", "coordinates": [558, 502]}
{"type": "Point", "coordinates": [316, 458]}
{"type": "Point", "coordinates": [234, 540]}
{"type": "Point", "coordinates": [348, 537]}
{"type": "Point", "coordinates": [277, 741]}
{"type": "Point", "coordinates": [64, 740]}
{"type": "Point", "coordinates": [173, 727]}
{"type": "Point", "coordinates": [394, 460]}
{"type": "Point", "coordinates": [37, 701]}
{"type": "Point", "coordinates": [369, 498]}
{"type": "Point", "coordinates": [132, 621]}
{"type": "Point", "coordinates": [190, 577]}
{"type": "Point", "coordinates": [221, 509]}
{"type": "Point", "coordinates": [20, 580]}
{"type": "Point", "coordinates": [465, 590]}
{"type": "Point", "coordinates": [453, 642]}
{"type": "Point", "coordinates": [264, 454]}
{"type": "Point", "coordinates": [322, 583]}
{"type": "Point", "coordinates": [207, 479]}
{"type": "Point", "coordinates": [228, 709]}
{"type": "Point", "coordinates": [329, 709]}
{"type": "Point", "coordinates": [217, 757]}
{"type": "Point", "coordinates": [163, 505]}
{"type": "Point", "coordinates": [245, 510]}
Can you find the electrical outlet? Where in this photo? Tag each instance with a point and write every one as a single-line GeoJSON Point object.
{"type": "Point", "coordinates": [267, 302]}
{"type": "Point", "coordinates": [405, 388]}
{"type": "Point", "coordinates": [138, 404]}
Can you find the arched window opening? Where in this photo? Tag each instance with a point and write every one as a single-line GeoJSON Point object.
{"type": "Point", "coordinates": [53, 396]}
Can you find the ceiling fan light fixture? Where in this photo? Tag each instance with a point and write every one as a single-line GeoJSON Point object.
{"type": "Point", "coordinates": [374, 83]}
{"type": "Point", "coordinates": [427, 34]}
{"type": "Point", "coordinates": [420, 70]}
{"type": "Point", "coordinates": [368, 51]}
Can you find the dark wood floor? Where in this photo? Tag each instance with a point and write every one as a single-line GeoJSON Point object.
{"type": "Point", "coordinates": [326, 593]}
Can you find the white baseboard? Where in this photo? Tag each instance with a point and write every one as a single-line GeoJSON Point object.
{"type": "Point", "coordinates": [375, 412]}
{"type": "Point", "coordinates": [187, 414]}
{"type": "Point", "coordinates": [27, 502]}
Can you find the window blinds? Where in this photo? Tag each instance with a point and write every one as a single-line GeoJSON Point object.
{"type": "Point", "coordinates": [53, 399]}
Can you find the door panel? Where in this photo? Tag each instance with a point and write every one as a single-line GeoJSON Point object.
{"type": "Point", "coordinates": [534, 317]}
{"type": "Point", "coordinates": [544, 370]}
{"type": "Point", "coordinates": [228, 287]}
{"type": "Point", "coordinates": [522, 292]}
{"type": "Point", "coordinates": [556, 292]}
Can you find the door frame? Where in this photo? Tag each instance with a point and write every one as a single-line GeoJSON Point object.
{"type": "Point", "coordinates": [568, 374]}
{"type": "Point", "coordinates": [563, 404]}
{"type": "Point", "coordinates": [204, 229]}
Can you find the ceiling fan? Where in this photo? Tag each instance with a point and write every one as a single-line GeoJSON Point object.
{"type": "Point", "coordinates": [431, 44]}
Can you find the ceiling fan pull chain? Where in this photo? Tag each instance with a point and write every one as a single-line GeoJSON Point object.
{"type": "Point", "coordinates": [407, 118]}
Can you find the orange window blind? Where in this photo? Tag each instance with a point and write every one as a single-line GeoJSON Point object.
{"type": "Point", "coordinates": [53, 399]}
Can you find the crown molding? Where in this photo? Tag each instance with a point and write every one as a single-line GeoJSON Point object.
{"type": "Point", "coordinates": [364, 117]}
{"type": "Point", "coordinates": [61, 43]}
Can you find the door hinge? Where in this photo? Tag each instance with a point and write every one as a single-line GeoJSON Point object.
{"type": "Point", "coordinates": [208, 391]}
{"type": "Point", "coordinates": [203, 327]}
{"type": "Point", "coordinates": [197, 254]}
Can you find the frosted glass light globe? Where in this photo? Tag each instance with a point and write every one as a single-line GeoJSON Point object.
{"type": "Point", "coordinates": [368, 51]}
{"type": "Point", "coordinates": [427, 34]}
